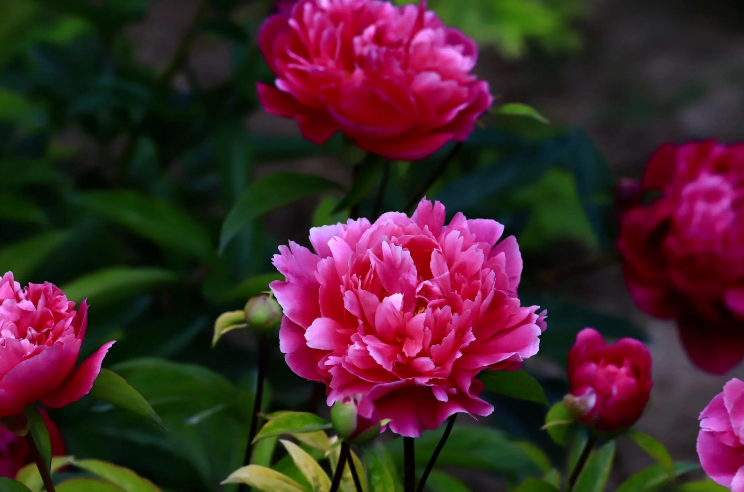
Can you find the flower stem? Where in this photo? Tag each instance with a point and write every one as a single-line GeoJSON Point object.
{"type": "Point", "coordinates": [433, 179]}
{"type": "Point", "coordinates": [345, 452]}
{"type": "Point", "coordinates": [582, 462]}
{"type": "Point", "coordinates": [263, 356]}
{"type": "Point", "coordinates": [381, 192]}
{"type": "Point", "coordinates": [410, 465]}
{"type": "Point", "coordinates": [354, 475]}
{"type": "Point", "coordinates": [43, 470]}
{"type": "Point", "coordinates": [435, 455]}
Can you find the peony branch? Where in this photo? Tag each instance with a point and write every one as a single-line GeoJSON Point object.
{"type": "Point", "coordinates": [354, 474]}
{"type": "Point", "coordinates": [433, 179]}
{"type": "Point", "coordinates": [581, 463]}
{"type": "Point", "coordinates": [40, 464]}
{"type": "Point", "coordinates": [409, 452]}
{"type": "Point", "coordinates": [345, 453]}
{"type": "Point", "coordinates": [263, 356]}
{"type": "Point", "coordinates": [435, 455]}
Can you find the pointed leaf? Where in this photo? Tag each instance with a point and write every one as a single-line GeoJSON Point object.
{"type": "Point", "coordinates": [113, 389]}
{"type": "Point", "coordinates": [22, 258]}
{"type": "Point", "coordinates": [29, 474]}
{"type": "Point", "coordinates": [517, 384]}
{"type": "Point", "coordinates": [86, 485]}
{"type": "Point", "coordinates": [518, 109]}
{"type": "Point", "coordinates": [229, 321]}
{"type": "Point", "coordinates": [316, 477]}
{"type": "Point", "coordinates": [40, 434]}
{"type": "Point", "coordinates": [654, 449]}
{"type": "Point", "coordinates": [291, 423]}
{"type": "Point", "coordinates": [316, 440]}
{"type": "Point", "coordinates": [441, 482]}
{"type": "Point", "coordinates": [536, 485]}
{"type": "Point", "coordinates": [112, 284]}
{"type": "Point", "coordinates": [8, 485]}
{"type": "Point", "coordinates": [557, 422]}
{"type": "Point", "coordinates": [553, 477]}
{"type": "Point", "coordinates": [654, 477]}
{"type": "Point", "coordinates": [263, 451]}
{"type": "Point", "coordinates": [123, 478]}
{"type": "Point", "coordinates": [379, 477]}
{"type": "Point", "coordinates": [367, 175]}
{"type": "Point", "coordinates": [536, 454]}
{"type": "Point", "coordinates": [594, 476]}
{"type": "Point", "coordinates": [264, 479]}
{"type": "Point", "coordinates": [269, 193]}
{"type": "Point", "coordinates": [701, 486]}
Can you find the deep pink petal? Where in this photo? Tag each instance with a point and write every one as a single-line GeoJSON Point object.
{"type": "Point", "coordinates": [79, 382]}
{"type": "Point", "coordinates": [719, 461]}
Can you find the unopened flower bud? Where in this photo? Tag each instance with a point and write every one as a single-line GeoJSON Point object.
{"type": "Point", "coordinates": [355, 419]}
{"type": "Point", "coordinates": [263, 313]}
{"type": "Point", "coordinates": [580, 406]}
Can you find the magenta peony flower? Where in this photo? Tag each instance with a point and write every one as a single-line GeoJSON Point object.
{"type": "Point", "coordinates": [610, 384]}
{"type": "Point", "coordinates": [406, 311]}
{"type": "Point", "coordinates": [393, 79]}
{"type": "Point", "coordinates": [40, 337]}
{"type": "Point", "coordinates": [720, 443]}
{"type": "Point", "coordinates": [684, 253]}
{"type": "Point", "coordinates": [14, 452]}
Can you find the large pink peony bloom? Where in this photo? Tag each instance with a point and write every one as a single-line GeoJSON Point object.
{"type": "Point", "coordinates": [720, 443]}
{"type": "Point", "coordinates": [15, 454]}
{"type": "Point", "coordinates": [406, 311]}
{"type": "Point", "coordinates": [40, 338]}
{"type": "Point", "coordinates": [393, 79]}
{"type": "Point", "coordinates": [684, 251]}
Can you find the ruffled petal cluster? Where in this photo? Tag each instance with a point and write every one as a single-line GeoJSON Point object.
{"type": "Point", "coordinates": [393, 79]}
{"type": "Point", "coordinates": [406, 311]}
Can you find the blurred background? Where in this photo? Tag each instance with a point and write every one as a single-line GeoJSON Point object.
{"type": "Point", "coordinates": [128, 128]}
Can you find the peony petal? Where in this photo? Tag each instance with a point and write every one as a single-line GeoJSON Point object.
{"type": "Point", "coordinates": [325, 334]}
{"type": "Point", "coordinates": [710, 348]}
{"type": "Point", "coordinates": [79, 382]}
{"type": "Point", "coordinates": [719, 461]}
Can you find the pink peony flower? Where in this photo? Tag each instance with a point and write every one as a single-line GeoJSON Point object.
{"type": "Point", "coordinates": [406, 311]}
{"type": "Point", "coordinates": [610, 384]}
{"type": "Point", "coordinates": [683, 252]}
{"type": "Point", "coordinates": [720, 443]}
{"type": "Point", "coordinates": [393, 79]}
{"type": "Point", "coordinates": [40, 338]}
{"type": "Point", "coordinates": [14, 452]}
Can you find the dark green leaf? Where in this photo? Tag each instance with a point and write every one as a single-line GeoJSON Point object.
{"type": "Point", "coordinates": [8, 485]}
{"type": "Point", "coordinates": [557, 422]}
{"type": "Point", "coordinates": [109, 285]}
{"type": "Point", "coordinates": [153, 219]}
{"type": "Point", "coordinates": [112, 388]}
{"type": "Point", "coordinates": [250, 287]}
{"type": "Point", "coordinates": [655, 477]}
{"type": "Point", "coordinates": [325, 215]}
{"type": "Point", "coordinates": [17, 208]}
{"type": "Point", "coordinates": [20, 172]}
{"type": "Point", "coordinates": [517, 384]}
{"type": "Point", "coordinates": [24, 257]}
{"type": "Point", "coordinates": [701, 486]}
{"type": "Point", "coordinates": [594, 476]}
{"type": "Point", "coordinates": [654, 449]}
{"type": "Point", "coordinates": [367, 175]}
{"type": "Point", "coordinates": [536, 485]}
{"type": "Point", "coordinates": [440, 482]}
{"type": "Point", "coordinates": [536, 454]}
{"type": "Point", "coordinates": [86, 485]}
{"type": "Point", "coordinates": [269, 193]}
{"type": "Point", "coordinates": [553, 477]}
{"type": "Point", "coordinates": [16, 109]}
{"type": "Point", "coordinates": [40, 434]}
{"type": "Point", "coordinates": [380, 478]}
{"type": "Point", "coordinates": [123, 478]}
{"type": "Point", "coordinates": [577, 437]}
{"type": "Point", "coordinates": [518, 109]}
{"type": "Point", "coordinates": [291, 423]}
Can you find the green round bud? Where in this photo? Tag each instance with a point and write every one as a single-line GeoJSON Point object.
{"type": "Point", "coordinates": [263, 313]}
{"type": "Point", "coordinates": [344, 418]}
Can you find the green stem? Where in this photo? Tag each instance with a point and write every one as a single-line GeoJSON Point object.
{"type": "Point", "coordinates": [262, 362]}
{"type": "Point", "coordinates": [435, 455]}
{"type": "Point", "coordinates": [40, 464]}
{"type": "Point", "coordinates": [345, 452]}
{"type": "Point", "coordinates": [409, 476]}
{"type": "Point", "coordinates": [582, 462]}
{"type": "Point", "coordinates": [354, 475]}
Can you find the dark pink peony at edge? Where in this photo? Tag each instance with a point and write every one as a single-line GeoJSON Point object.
{"type": "Point", "coordinates": [610, 384]}
{"type": "Point", "coordinates": [14, 452]}
{"type": "Point", "coordinates": [406, 311]}
{"type": "Point", "coordinates": [720, 444]}
{"type": "Point", "coordinates": [393, 79]}
{"type": "Point", "coordinates": [40, 338]}
{"type": "Point", "coordinates": [683, 251]}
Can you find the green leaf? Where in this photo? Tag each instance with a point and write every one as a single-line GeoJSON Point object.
{"type": "Point", "coordinates": [151, 218]}
{"type": "Point", "coordinates": [367, 175]}
{"type": "Point", "coordinates": [291, 423]}
{"type": "Point", "coordinates": [14, 207]}
{"type": "Point", "coordinates": [347, 481]}
{"type": "Point", "coordinates": [325, 215]}
{"type": "Point", "coordinates": [123, 478]}
{"type": "Point", "coordinates": [655, 477]}
{"type": "Point", "coordinates": [16, 109]}
{"type": "Point", "coordinates": [226, 322]}
{"type": "Point", "coordinates": [86, 485]}
{"type": "Point", "coordinates": [264, 479]}
{"type": "Point", "coordinates": [654, 449]}
{"type": "Point", "coordinates": [553, 477]}
{"type": "Point", "coordinates": [556, 423]}
{"type": "Point", "coordinates": [316, 440]}
{"type": "Point", "coordinates": [112, 284]}
{"type": "Point", "coordinates": [577, 437]}
{"type": "Point", "coordinates": [40, 434]}
{"type": "Point", "coordinates": [22, 258]}
{"type": "Point", "coordinates": [112, 388]}
{"type": "Point", "coordinates": [701, 486]}
{"type": "Point", "coordinates": [517, 384]}
{"type": "Point", "coordinates": [518, 109]}
{"type": "Point", "coordinates": [536, 454]}
{"type": "Point", "coordinates": [8, 485]}
{"type": "Point", "coordinates": [594, 476]}
{"type": "Point", "coordinates": [536, 485]}
{"type": "Point", "coordinates": [441, 482]}
{"type": "Point", "coordinates": [29, 474]}
{"type": "Point", "coordinates": [21, 172]}
{"type": "Point", "coordinates": [267, 194]}
{"type": "Point", "coordinates": [313, 472]}
{"type": "Point", "coordinates": [380, 479]}
{"type": "Point", "coordinates": [263, 451]}
{"type": "Point", "coordinates": [250, 287]}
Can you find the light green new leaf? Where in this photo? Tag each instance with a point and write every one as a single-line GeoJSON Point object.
{"type": "Point", "coordinates": [517, 384]}
{"type": "Point", "coordinates": [380, 479]}
{"type": "Point", "coordinates": [226, 322]}
{"type": "Point", "coordinates": [112, 284]}
{"type": "Point", "coordinates": [22, 258]}
{"type": "Point", "coordinates": [267, 194]}
{"type": "Point", "coordinates": [291, 423]}
{"type": "Point", "coordinates": [30, 477]}
{"type": "Point", "coordinates": [654, 477]}
{"type": "Point", "coordinates": [316, 440]}
{"type": "Point", "coordinates": [112, 388]}
{"type": "Point", "coordinates": [263, 451]}
{"type": "Point", "coordinates": [553, 477]}
{"type": "Point", "coordinates": [123, 478]}
{"type": "Point", "coordinates": [518, 109]}
{"type": "Point", "coordinates": [654, 449]}
{"type": "Point", "coordinates": [557, 422]}
{"type": "Point", "coordinates": [701, 486]}
{"type": "Point", "coordinates": [597, 469]}
{"type": "Point", "coordinates": [307, 465]}
{"type": "Point", "coordinates": [264, 479]}
{"type": "Point", "coordinates": [441, 482]}
{"type": "Point", "coordinates": [536, 485]}
{"type": "Point", "coordinates": [152, 218]}
{"type": "Point", "coordinates": [8, 485]}
{"type": "Point", "coordinates": [86, 485]}
{"type": "Point", "coordinates": [40, 434]}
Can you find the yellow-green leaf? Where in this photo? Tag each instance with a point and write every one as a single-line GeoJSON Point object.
{"type": "Point", "coordinates": [519, 109]}
{"type": "Point", "coordinates": [29, 474]}
{"type": "Point", "coordinates": [310, 468]}
{"type": "Point", "coordinates": [291, 423]}
{"type": "Point", "coordinates": [380, 478]}
{"type": "Point", "coordinates": [317, 440]}
{"type": "Point", "coordinates": [8, 485]}
{"type": "Point", "coordinates": [264, 479]}
{"type": "Point", "coordinates": [86, 485]}
{"type": "Point", "coordinates": [226, 322]}
{"type": "Point", "coordinates": [123, 478]}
